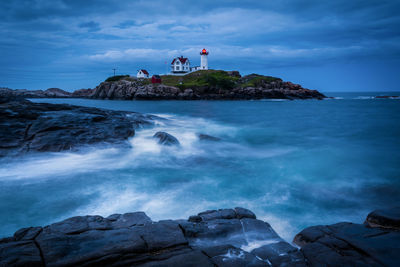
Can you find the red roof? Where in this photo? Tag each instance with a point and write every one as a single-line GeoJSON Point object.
{"type": "Point", "coordinates": [145, 72]}
{"type": "Point", "coordinates": [181, 59]}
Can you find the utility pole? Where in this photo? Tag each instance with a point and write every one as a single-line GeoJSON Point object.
{"type": "Point", "coordinates": [114, 71]}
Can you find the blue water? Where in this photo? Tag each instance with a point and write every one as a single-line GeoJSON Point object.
{"type": "Point", "coordinates": [294, 163]}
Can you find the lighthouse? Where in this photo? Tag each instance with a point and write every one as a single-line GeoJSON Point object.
{"type": "Point", "coordinates": [204, 60]}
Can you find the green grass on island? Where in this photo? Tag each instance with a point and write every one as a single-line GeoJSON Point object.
{"type": "Point", "coordinates": [205, 78]}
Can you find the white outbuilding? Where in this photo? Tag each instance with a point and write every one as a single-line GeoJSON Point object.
{"type": "Point", "coordinates": [142, 74]}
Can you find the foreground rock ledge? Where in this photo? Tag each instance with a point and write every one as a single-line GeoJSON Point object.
{"type": "Point", "coordinates": [226, 237]}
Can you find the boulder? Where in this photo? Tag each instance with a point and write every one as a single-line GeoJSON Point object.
{"type": "Point", "coordinates": [128, 219]}
{"type": "Point", "coordinates": [349, 244]}
{"type": "Point", "coordinates": [244, 213]}
{"type": "Point", "coordinates": [385, 218]}
{"type": "Point", "coordinates": [166, 139]}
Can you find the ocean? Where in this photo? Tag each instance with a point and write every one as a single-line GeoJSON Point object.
{"type": "Point", "coordinates": [294, 163]}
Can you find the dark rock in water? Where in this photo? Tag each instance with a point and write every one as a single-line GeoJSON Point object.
{"type": "Point", "coordinates": [166, 139]}
{"type": "Point", "coordinates": [226, 237]}
{"type": "Point", "coordinates": [385, 218]}
{"type": "Point", "coordinates": [27, 126]}
{"type": "Point", "coordinates": [349, 244]}
{"type": "Point", "coordinates": [388, 96]}
{"type": "Point", "coordinates": [207, 137]}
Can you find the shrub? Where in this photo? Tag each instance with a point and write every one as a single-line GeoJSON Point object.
{"type": "Point", "coordinates": [116, 78]}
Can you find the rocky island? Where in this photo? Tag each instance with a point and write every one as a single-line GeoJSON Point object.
{"type": "Point", "coordinates": [225, 237]}
{"type": "Point", "coordinates": [202, 84]}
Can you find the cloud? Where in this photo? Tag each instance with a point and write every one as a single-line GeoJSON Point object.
{"type": "Point", "coordinates": [90, 25]}
{"type": "Point", "coordinates": [42, 34]}
{"type": "Point", "coordinates": [270, 53]}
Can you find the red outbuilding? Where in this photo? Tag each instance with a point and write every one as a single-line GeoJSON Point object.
{"type": "Point", "coordinates": [156, 79]}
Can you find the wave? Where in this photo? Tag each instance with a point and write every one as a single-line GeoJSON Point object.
{"type": "Point", "coordinates": [273, 100]}
{"type": "Point", "coordinates": [143, 151]}
{"type": "Point", "coordinates": [376, 97]}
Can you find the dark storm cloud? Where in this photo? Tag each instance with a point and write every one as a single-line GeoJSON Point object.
{"type": "Point", "coordinates": [59, 36]}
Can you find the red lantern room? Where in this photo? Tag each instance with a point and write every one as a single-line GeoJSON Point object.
{"type": "Point", "coordinates": [204, 52]}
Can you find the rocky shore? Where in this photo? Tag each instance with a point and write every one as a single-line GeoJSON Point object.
{"type": "Point", "coordinates": [27, 126]}
{"type": "Point", "coordinates": [206, 85]}
{"type": "Point", "coordinates": [128, 90]}
{"type": "Point", "coordinates": [48, 93]}
{"type": "Point", "coordinates": [225, 237]}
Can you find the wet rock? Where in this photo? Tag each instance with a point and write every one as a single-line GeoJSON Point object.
{"type": "Point", "coordinates": [27, 126]}
{"type": "Point", "coordinates": [27, 233]}
{"type": "Point", "coordinates": [166, 139]}
{"type": "Point", "coordinates": [257, 230]}
{"type": "Point", "coordinates": [206, 137]}
{"type": "Point", "coordinates": [129, 219]}
{"type": "Point", "coordinates": [231, 256]}
{"type": "Point", "coordinates": [163, 234]}
{"type": "Point", "coordinates": [194, 218]}
{"type": "Point", "coordinates": [227, 227]}
{"type": "Point", "coordinates": [280, 254]}
{"type": "Point", "coordinates": [183, 258]}
{"type": "Point", "coordinates": [244, 213]}
{"type": "Point", "coordinates": [349, 244]}
{"type": "Point", "coordinates": [79, 224]}
{"type": "Point", "coordinates": [217, 214]}
{"type": "Point", "coordinates": [20, 253]}
{"type": "Point", "coordinates": [90, 247]}
{"type": "Point", "coordinates": [216, 232]}
{"type": "Point", "coordinates": [225, 237]}
{"type": "Point", "coordinates": [385, 218]}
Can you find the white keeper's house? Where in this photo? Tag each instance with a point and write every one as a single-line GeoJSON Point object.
{"type": "Point", "coordinates": [181, 65]}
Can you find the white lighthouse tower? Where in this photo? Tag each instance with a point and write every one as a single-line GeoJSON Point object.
{"type": "Point", "coordinates": [204, 60]}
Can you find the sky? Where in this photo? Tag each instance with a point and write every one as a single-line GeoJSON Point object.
{"type": "Point", "coordinates": [341, 45]}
